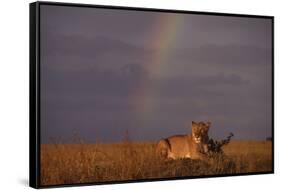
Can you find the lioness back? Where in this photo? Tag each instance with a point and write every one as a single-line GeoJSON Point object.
{"type": "Point", "coordinates": [181, 146]}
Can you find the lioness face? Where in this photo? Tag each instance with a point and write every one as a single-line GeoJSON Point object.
{"type": "Point", "coordinates": [200, 131]}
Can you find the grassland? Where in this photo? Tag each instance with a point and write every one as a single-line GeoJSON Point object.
{"type": "Point", "coordinates": [82, 163]}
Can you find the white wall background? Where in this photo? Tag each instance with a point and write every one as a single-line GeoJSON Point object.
{"type": "Point", "coordinates": [14, 70]}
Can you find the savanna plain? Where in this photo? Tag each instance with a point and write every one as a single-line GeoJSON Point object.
{"type": "Point", "coordinates": [95, 163]}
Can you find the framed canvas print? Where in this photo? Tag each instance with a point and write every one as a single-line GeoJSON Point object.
{"type": "Point", "coordinates": [122, 94]}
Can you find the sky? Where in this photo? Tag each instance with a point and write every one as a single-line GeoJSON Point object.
{"type": "Point", "coordinates": [108, 72]}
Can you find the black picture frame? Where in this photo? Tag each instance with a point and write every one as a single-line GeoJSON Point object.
{"type": "Point", "coordinates": [34, 91]}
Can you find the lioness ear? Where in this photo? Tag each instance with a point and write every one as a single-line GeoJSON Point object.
{"type": "Point", "coordinates": [208, 125]}
{"type": "Point", "coordinates": [194, 125]}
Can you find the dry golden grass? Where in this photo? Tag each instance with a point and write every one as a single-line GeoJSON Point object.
{"type": "Point", "coordinates": [82, 163]}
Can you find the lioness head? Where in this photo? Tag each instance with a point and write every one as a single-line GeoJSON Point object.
{"type": "Point", "coordinates": [200, 131]}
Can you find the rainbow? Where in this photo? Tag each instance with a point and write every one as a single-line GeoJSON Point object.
{"type": "Point", "coordinates": [163, 38]}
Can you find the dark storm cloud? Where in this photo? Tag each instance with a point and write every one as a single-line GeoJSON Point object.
{"type": "Point", "coordinates": [94, 60]}
{"type": "Point", "coordinates": [89, 47]}
{"type": "Point", "coordinates": [226, 54]}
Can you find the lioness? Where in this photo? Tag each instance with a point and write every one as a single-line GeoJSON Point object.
{"type": "Point", "coordinates": [193, 146]}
